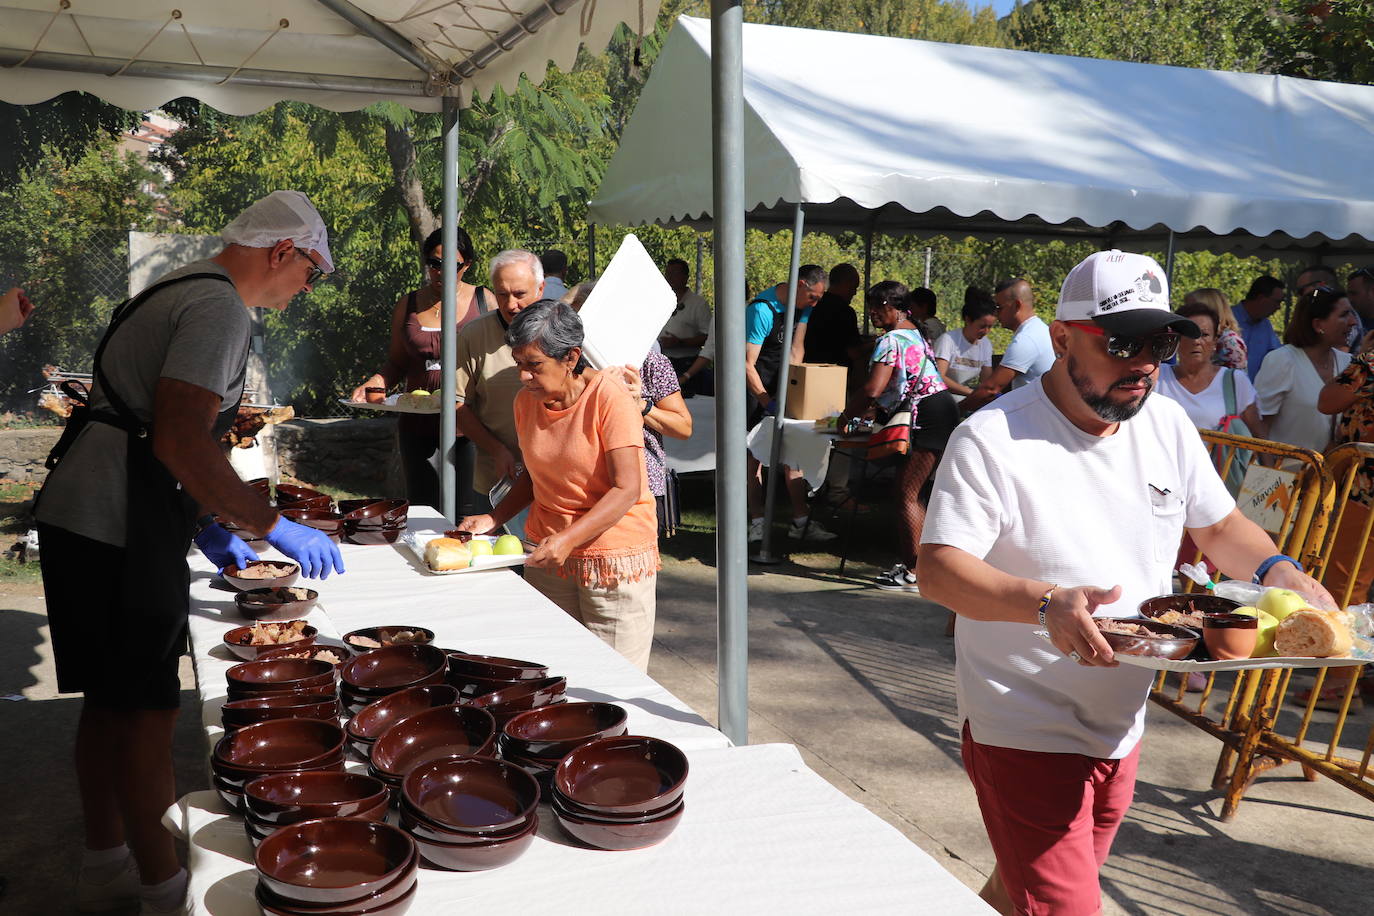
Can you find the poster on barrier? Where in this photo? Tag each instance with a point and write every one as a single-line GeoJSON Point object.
{"type": "Point", "coordinates": [1265, 495]}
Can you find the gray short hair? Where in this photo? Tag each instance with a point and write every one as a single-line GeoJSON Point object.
{"type": "Point", "coordinates": [517, 256]}
{"type": "Point", "coordinates": [552, 326]}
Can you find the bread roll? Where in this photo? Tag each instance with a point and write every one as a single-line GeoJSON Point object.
{"type": "Point", "coordinates": [443, 554]}
{"type": "Point", "coordinates": [1313, 634]}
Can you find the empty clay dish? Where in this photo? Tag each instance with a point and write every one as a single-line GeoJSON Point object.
{"type": "Point", "coordinates": [497, 668]}
{"type": "Point", "coordinates": [440, 732]}
{"type": "Point", "coordinates": [618, 836]}
{"type": "Point", "coordinates": [304, 796]}
{"type": "Point", "coordinates": [555, 731]}
{"type": "Point", "coordinates": [334, 859]}
{"type": "Point", "coordinates": [378, 672]}
{"type": "Point", "coordinates": [274, 603]}
{"type": "Point", "coordinates": [378, 716]}
{"type": "Point", "coordinates": [626, 776]}
{"type": "Point", "coordinates": [466, 794]}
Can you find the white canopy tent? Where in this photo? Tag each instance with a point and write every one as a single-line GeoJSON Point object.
{"type": "Point", "coordinates": [897, 135]}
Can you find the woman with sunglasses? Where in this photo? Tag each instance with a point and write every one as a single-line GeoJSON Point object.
{"type": "Point", "coordinates": [1291, 377]}
{"type": "Point", "coordinates": [413, 359]}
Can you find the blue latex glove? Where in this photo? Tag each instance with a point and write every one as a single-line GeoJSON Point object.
{"type": "Point", "coordinates": [310, 547]}
{"type": "Point", "coordinates": [772, 408]}
{"type": "Point", "coordinates": [224, 549]}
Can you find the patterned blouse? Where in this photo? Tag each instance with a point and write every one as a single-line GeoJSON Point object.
{"type": "Point", "coordinates": [659, 380]}
{"type": "Point", "coordinates": [1356, 424]}
{"type": "Point", "coordinates": [914, 374]}
{"type": "Point", "coordinates": [1230, 350]}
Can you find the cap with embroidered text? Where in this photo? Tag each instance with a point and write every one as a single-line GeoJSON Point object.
{"type": "Point", "coordinates": [1123, 292]}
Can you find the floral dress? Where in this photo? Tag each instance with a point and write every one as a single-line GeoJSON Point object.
{"type": "Point", "coordinates": [914, 373]}
{"type": "Point", "coordinates": [1356, 424]}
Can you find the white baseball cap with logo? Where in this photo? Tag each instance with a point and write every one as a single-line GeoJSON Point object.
{"type": "Point", "coordinates": [279, 216]}
{"type": "Point", "coordinates": [1122, 292]}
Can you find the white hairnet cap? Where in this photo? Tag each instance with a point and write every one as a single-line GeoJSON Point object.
{"type": "Point", "coordinates": [281, 215]}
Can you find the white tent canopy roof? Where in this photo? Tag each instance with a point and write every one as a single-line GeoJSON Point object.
{"type": "Point", "coordinates": [139, 54]}
{"type": "Point", "coordinates": [900, 135]}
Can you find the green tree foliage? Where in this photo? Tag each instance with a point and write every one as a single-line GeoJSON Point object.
{"type": "Point", "coordinates": [1330, 40]}
{"type": "Point", "coordinates": [63, 127]}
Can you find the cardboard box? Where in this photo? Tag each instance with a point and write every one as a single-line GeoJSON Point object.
{"type": "Point", "coordinates": [815, 390]}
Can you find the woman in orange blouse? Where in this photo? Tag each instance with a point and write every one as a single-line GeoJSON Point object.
{"type": "Point", "coordinates": [592, 514]}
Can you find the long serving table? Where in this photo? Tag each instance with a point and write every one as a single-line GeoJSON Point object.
{"type": "Point", "coordinates": [761, 830]}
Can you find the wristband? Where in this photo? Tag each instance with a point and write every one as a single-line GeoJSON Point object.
{"type": "Point", "coordinates": [1270, 563]}
{"type": "Point", "coordinates": [1044, 603]}
{"type": "Point", "coordinates": [648, 406]}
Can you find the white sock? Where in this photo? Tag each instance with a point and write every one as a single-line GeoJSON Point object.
{"type": "Point", "coordinates": [800, 520]}
{"type": "Point", "coordinates": [103, 865]}
{"type": "Point", "coordinates": [166, 895]}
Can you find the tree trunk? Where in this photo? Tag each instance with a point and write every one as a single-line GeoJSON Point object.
{"type": "Point", "coordinates": [400, 149]}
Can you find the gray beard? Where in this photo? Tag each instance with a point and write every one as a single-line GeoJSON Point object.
{"type": "Point", "coordinates": [1107, 409]}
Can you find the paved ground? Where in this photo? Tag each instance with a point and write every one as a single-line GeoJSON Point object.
{"type": "Point", "coordinates": [861, 681]}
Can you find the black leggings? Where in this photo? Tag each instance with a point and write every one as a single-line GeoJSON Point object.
{"type": "Point", "coordinates": [422, 480]}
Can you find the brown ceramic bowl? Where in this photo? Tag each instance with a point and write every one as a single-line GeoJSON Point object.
{"type": "Point", "coordinates": [478, 856]}
{"type": "Point", "coordinates": [277, 674]}
{"type": "Point", "coordinates": [281, 743]}
{"type": "Point", "coordinates": [315, 651]}
{"type": "Point", "coordinates": [305, 796]}
{"type": "Point", "coordinates": [379, 514]}
{"type": "Point", "coordinates": [419, 826]}
{"type": "Point", "coordinates": [351, 505]}
{"type": "Point", "coordinates": [1229, 636]}
{"type": "Point", "coordinates": [471, 794]}
{"type": "Point", "coordinates": [331, 523]}
{"type": "Point", "coordinates": [495, 667]}
{"type": "Point", "coordinates": [261, 485]}
{"type": "Point", "coordinates": [1200, 603]}
{"type": "Point", "coordinates": [235, 694]}
{"type": "Point", "coordinates": [374, 719]}
{"type": "Point", "coordinates": [274, 603]}
{"type": "Point", "coordinates": [334, 859]}
{"type": "Point", "coordinates": [233, 779]}
{"type": "Point", "coordinates": [374, 537]}
{"type": "Point", "coordinates": [627, 776]}
{"type": "Point", "coordinates": [618, 836]}
{"type": "Point", "coordinates": [440, 732]}
{"type": "Point", "coordinates": [523, 695]}
{"type": "Point", "coordinates": [236, 641]}
{"type": "Point", "coordinates": [386, 636]}
{"type": "Point", "coordinates": [243, 584]}
{"type": "Point", "coordinates": [555, 731]}
{"type": "Point", "coordinates": [290, 496]}
{"type": "Point", "coordinates": [469, 687]}
{"type": "Point", "coordinates": [1161, 640]}
{"type": "Point", "coordinates": [240, 713]}
{"type": "Point", "coordinates": [377, 672]}
{"type": "Point", "coordinates": [392, 900]}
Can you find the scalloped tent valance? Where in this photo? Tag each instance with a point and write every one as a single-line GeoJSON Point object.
{"type": "Point", "coordinates": [897, 135]}
{"type": "Point", "coordinates": [242, 56]}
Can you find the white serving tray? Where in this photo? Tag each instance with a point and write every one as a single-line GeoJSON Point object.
{"type": "Point", "coordinates": [1237, 664]}
{"type": "Point", "coordinates": [387, 406]}
{"type": "Point", "coordinates": [415, 542]}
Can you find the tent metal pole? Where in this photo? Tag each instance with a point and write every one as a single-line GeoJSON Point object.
{"type": "Point", "coordinates": [868, 274]}
{"type": "Point", "coordinates": [732, 510]}
{"type": "Point", "coordinates": [591, 251]}
{"type": "Point", "coordinates": [700, 257]}
{"type": "Point", "coordinates": [1169, 259]}
{"type": "Point", "coordinates": [448, 316]}
{"type": "Point", "coordinates": [386, 36]}
{"type": "Point", "coordinates": [926, 282]}
{"type": "Point", "coordinates": [765, 554]}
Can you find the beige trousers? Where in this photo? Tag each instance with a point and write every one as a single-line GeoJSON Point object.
{"type": "Point", "coordinates": [621, 616]}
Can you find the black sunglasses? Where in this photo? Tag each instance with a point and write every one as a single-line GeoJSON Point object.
{"type": "Point", "coordinates": [438, 264]}
{"type": "Point", "coordinates": [1162, 346]}
{"type": "Point", "coordinates": [316, 271]}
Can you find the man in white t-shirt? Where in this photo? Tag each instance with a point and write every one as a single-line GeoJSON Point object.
{"type": "Point", "coordinates": [1028, 356]}
{"type": "Point", "coordinates": [1066, 499]}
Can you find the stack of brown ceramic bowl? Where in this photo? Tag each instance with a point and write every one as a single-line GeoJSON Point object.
{"type": "Point", "coordinates": [236, 641]}
{"type": "Point", "coordinates": [387, 635]}
{"type": "Point", "coordinates": [341, 866]}
{"type": "Point", "coordinates": [232, 575]}
{"type": "Point", "coordinates": [328, 652]}
{"type": "Point", "coordinates": [276, 746]}
{"type": "Point", "coordinates": [369, 676]}
{"type": "Point", "coordinates": [274, 801]}
{"type": "Point", "coordinates": [236, 714]}
{"type": "Point", "coordinates": [508, 702]}
{"type": "Point", "coordinates": [379, 522]}
{"type": "Point", "coordinates": [331, 523]}
{"type": "Point", "coordinates": [294, 497]}
{"type": "Point", "coordinates": [262, 485]}
{"type": "Point", "coordinates": [620, 793]}
{"type": "Point", "coordinates": [274, 603]}
{"type": "Point", "coordinates": [538, 740]}
{"type": "Point", "coordinates": [374, 719]}
{"type": "Point", "coordinates": [267, 677]}
{"type": "Point", "coordinates": [444, 731]}
{"type": "Point", "coordinates": [470, 813]}
{"type": "Point", "coordinates": [475, 675]}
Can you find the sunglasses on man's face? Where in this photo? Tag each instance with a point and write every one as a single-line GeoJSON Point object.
{"type": "Point", "coordinates": [438, 264]}
{"type": "Point", "coordinates": [1162, 346]}
{"type": "Point", "coordinates": [317, 272]}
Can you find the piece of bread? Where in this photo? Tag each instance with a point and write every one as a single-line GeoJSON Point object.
{"type": "Point", "coordinates": [1313, 634]}
{"type": "Point", "coordinates": [443, 554]}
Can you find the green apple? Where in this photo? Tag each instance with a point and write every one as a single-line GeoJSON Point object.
{"type": "Point", "coordinates": [1248, 610]}
{"type": "Point", "coordinates": [479, 548]}
{"type": "Point", "coordinates": [1280, 602]}
{"type": "Point", "coordinates": [420, 392]}
{"type": "Point", "coordinates": [1268, 627]}
{"type": "Point", "coordinates": [508, 545]}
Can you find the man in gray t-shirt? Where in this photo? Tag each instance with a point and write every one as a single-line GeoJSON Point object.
{"type": "Point", "coordinates": [117, 515]}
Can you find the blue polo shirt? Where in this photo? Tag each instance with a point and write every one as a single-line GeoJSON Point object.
{"type": "Point", "coordinates": [758, 316]}
{"type": "Point", "coordinates": [1259, 338]}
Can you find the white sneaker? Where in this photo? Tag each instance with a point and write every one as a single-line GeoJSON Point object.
{"type": "Point", "coordinates": [756, 530]}
{"type": "Point", "coordinates": [117, 892]}
{"type": "Point", "coordinates": [811, 531]}
{"type": "Point", "coordinates": [897, 579]}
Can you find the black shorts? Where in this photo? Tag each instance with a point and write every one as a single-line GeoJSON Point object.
{"type": "Point", "coordinates": [935, 419]}
{"type": "Point", "coordinates": [118, 656]}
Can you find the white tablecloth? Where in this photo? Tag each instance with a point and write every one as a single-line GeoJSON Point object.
{"type": "Point", "coordinates": [762, 833]}
{"type": "Point", "coordinates": [803, 447]}
{"type": "Point", "coordinates": [697, 453]}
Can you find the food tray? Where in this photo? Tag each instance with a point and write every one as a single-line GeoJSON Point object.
{"type": "Point", "coordinates": [387, 406]}
{"type": "Point", "coordinates": [415, 543]}
{"type": "Point", "coordinates": [1235, 664]}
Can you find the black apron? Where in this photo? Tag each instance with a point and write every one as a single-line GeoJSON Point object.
{"type": "Point", "coordinates": [160, 517]}
{"type": "Point", "coordinates": [768, 362]}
